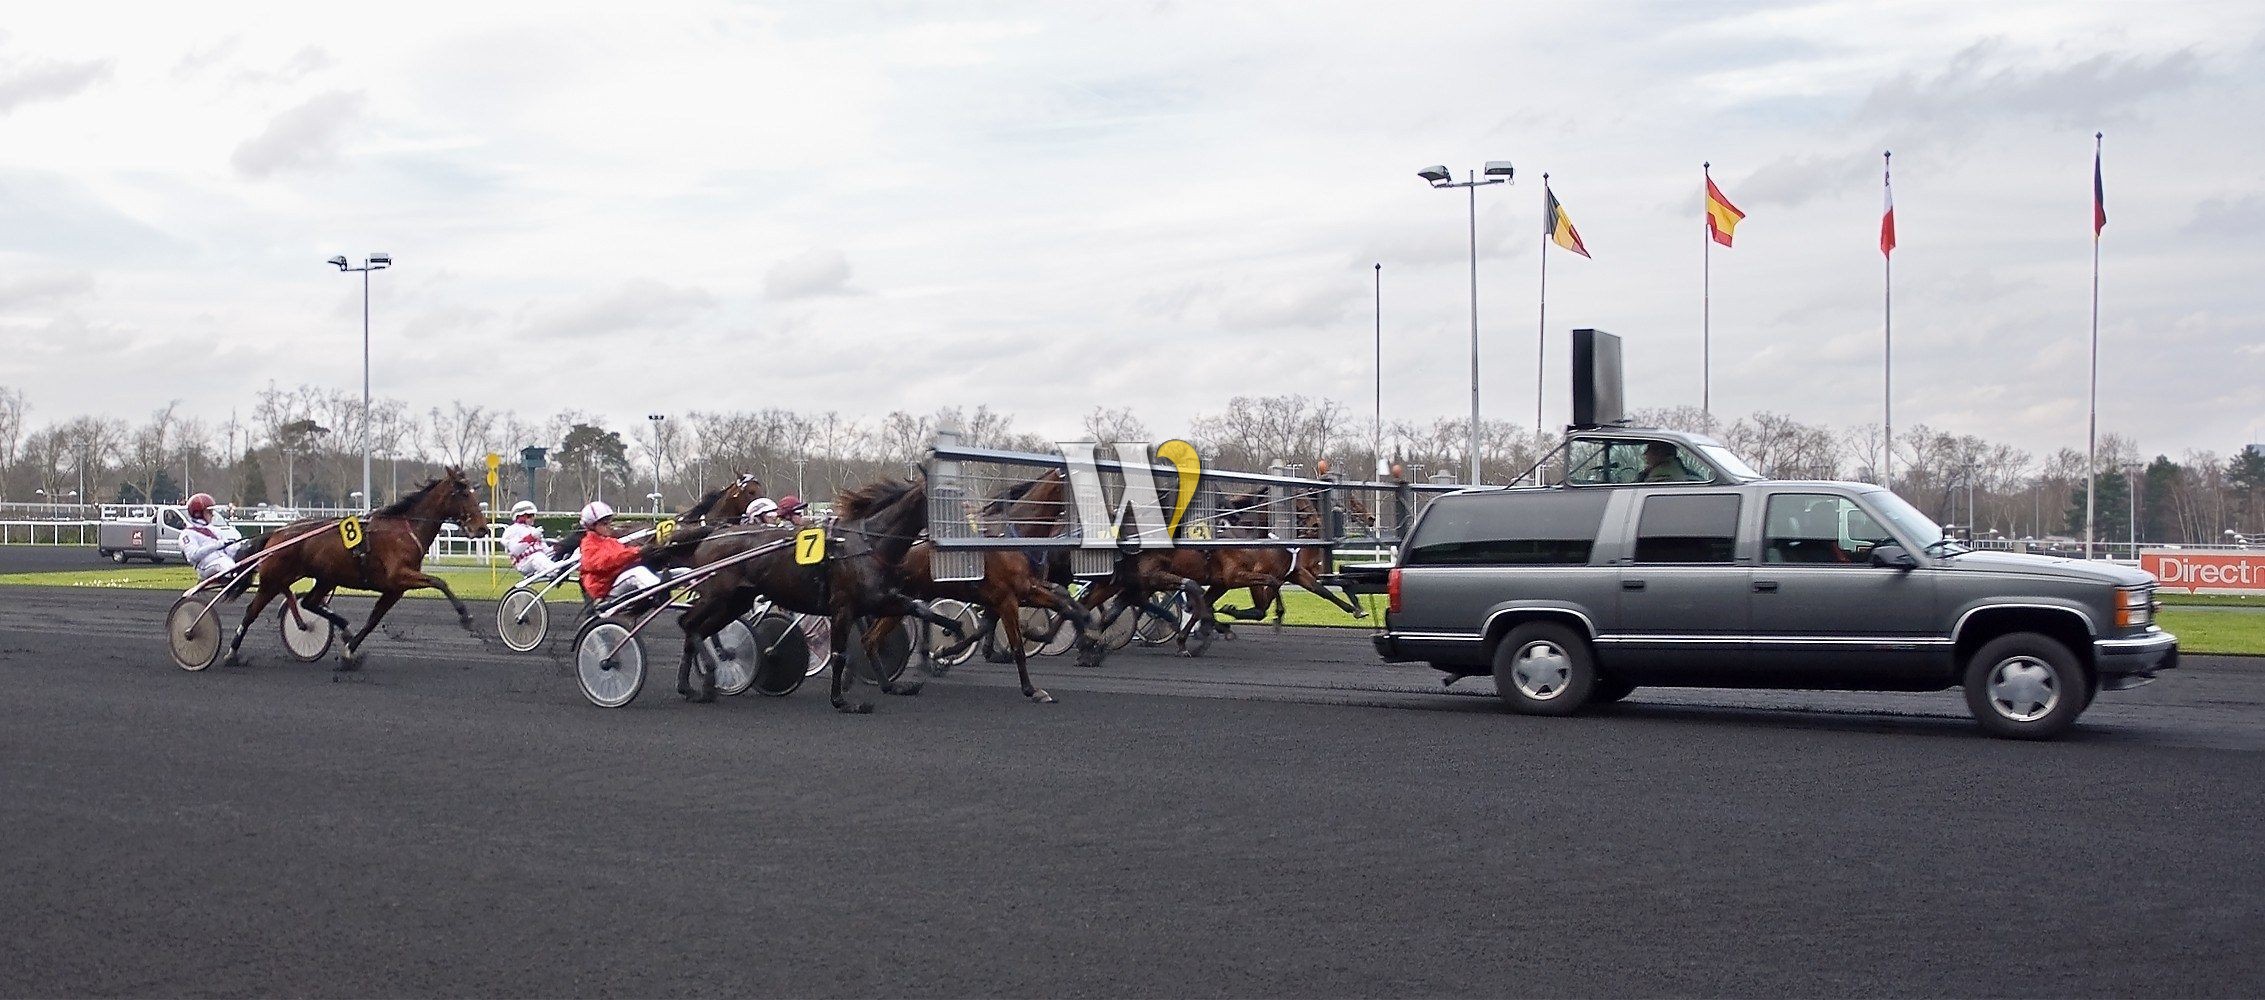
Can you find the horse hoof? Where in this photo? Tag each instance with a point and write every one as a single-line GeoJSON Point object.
{"type": "Point", "coordinates": [1040, 697]}
{"type": "Point", "coordinates": [703, 697]}
{"type": "Point", "coordinates": [903, 690]}
{"type": "Point", "coordinates": [866, 709]}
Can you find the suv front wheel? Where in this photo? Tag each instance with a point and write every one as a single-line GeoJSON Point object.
{"type": "Point", "coordinates": [2025, 686]}
{"type": "Point", "coordinates": [1544, 669]}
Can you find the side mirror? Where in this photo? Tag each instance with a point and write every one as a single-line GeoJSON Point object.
{"type": "Point", "coordinates": [1893, 557]}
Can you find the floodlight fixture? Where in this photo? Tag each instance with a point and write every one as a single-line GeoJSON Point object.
{"type": "Point", "coordinates": [1437, 175]}
{"type": "Point", "coordinates": [383, 259]}
{"type": "Point", "coordinates": [340, 262]}
{"type": "Point", "coordinates": [1499, 168]}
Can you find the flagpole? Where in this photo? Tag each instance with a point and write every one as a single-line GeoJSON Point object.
{"type": "Point", "coordinates": [1380, 467]}
{"type": "Point", "coordinates": [2092, 399]}
{"type": "Point", "coordinates": [1887, 351]}
{"type": "Point", "coordinates": [1706, 308]}
{"type": "Point", "coordinates": [1541, 327]}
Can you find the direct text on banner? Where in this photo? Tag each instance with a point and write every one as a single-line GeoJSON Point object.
{"type": "Point", "coordinates": [2206, 572]}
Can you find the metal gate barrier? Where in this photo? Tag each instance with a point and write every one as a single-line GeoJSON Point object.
{"type": "Point", "coordinates": [1097, 504]}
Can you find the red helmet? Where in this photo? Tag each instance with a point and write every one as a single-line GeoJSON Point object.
{"type": "Point", "coordinates": [200, 506]}
{"type": "Point", "coordinates": [790, 504]}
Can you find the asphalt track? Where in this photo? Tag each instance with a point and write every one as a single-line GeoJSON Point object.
{"type": "Point", "coordinates": [1284, 817]}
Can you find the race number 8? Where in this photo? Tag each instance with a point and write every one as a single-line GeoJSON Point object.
{"type": "Point", "coordinates": [350, 532]}
{"type": "Point", "coordinates": [809, 546]}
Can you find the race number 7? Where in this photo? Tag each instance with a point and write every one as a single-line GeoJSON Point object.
{"type": "Point", "coordinates": [350, 532]}
{"type": "Point", "coordinates": [809, 546]}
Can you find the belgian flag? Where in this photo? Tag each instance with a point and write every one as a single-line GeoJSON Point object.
{"type": "Point", "coordinates": [1557, 226]}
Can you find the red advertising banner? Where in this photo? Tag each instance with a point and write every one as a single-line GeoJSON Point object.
{"type": "Point", "coordinates": [2206, 572]}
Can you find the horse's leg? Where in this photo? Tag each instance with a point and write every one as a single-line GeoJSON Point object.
{"type": "Point", "coordinates": [318, 601]}
{"type": "Point", "coordinates": [259, 603]}
{"type": "Point", "coordinates": [699, 624]}
{"type": "Point", "coordinates": [843, 623]}
{"type": "Point", "coordinates": [1305, 577]}
{"type": "Point", "coordinates": [351, 657]}
{"type": "Point", "coordinates": [1009, 610]}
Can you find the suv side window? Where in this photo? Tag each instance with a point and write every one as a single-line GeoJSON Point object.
{"type": "Point", "coordinates": [1818, 528]}
{"type": "Point", "coordinates": [1537, 528]}
{"type": "Point", "coordinates": [173, 520]}
{"type": "Point", "coordinates": [1700, 529]}
{"type": "Point", "coordinates": [1619, 462]}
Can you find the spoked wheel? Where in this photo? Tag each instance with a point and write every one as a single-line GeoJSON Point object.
{"type": "Point", "coordinates": [735, 668]}
{"type": "Point", "coordinates": [306, 636]}
{"type": "Point", "coordinates": [609, 662]}
{"type": "Point", "coordinates": [522, 620]}
{"type": "Point", "coordinates": [192, 633]}
{"type": "Point", "coordinates": [894, 646]}
{"type": "Point", "coordinates": [781, 654]}
{"type": "Point", "coordinates": [1150, 630]}
{"type": "Point", "coordinates": [1053, 632]}
{"type": "Point", "coordinates": [940, 642]}
{"type": "Point", "coordinates": [818, 632]}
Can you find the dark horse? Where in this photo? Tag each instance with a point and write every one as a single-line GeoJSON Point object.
{"type": "Point", "coordinates": [725, 505]}
{"type": "Point", "coordinates": [390, 559]}
{"type": "Point", "coordinates": [859, 578]}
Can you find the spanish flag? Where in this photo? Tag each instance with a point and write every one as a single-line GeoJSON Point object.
{"type": "Point", "coordinates": [1722, 216]}
{"type": "Point", "coordinates": [1557, 226]}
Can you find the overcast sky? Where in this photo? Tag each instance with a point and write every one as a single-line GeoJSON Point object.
{"type": "Point", "coordinates": [1048, 206]}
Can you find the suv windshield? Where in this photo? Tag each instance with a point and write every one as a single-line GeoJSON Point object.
{"type": "Point", "coordinates": [1913, 525]}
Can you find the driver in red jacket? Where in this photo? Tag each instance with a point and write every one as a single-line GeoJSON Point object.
{"type": "Point", "coordinates": [608, 562]}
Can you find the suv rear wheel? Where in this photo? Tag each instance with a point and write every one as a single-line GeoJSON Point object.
{"type": "Point", "coordinates": [1544, 669]}
{"type": "Point", "coordinates": [2025, 686]}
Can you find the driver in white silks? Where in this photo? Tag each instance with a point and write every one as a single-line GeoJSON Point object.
{"type": "Point", "coordinates": [206, 542]}
{"type": "Point", "coordinates": [761, 512]}
{"type": "Point", "coordinates": [523, 542]}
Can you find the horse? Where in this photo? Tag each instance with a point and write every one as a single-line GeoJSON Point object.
{"type": "Point", "coordinates": [390, 560]}
{"type": "Point", "coordinates": [1302, 565]}
{"type": "Point", "coordinates": [1011, 579]}
{"type": "Point", "coordinates": [877, 526]}
{"type": "Point", "coordinates": [724, 505]}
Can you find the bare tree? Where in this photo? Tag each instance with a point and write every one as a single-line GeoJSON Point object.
{"type": "Point", "coordinates": [11, 432]}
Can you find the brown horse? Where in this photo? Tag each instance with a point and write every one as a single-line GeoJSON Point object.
{"type": "Point", "coordinates": [859, 578]}
{"type": "Point", "coordinates": [1302, 565]}
{"type": "Point", "coordinates": [719, 507]}
{"type": "Point", "coordinates": [389, 560]}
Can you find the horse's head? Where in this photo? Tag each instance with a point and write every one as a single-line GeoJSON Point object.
{"type": "Point", "coordinates": [459, 501]}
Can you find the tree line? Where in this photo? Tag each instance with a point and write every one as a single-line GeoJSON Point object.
{"type": "Point", "coordinates": [301, 447]}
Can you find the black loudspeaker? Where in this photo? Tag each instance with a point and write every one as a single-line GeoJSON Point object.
{"type": "Point", "coordinates": [1596, 379]}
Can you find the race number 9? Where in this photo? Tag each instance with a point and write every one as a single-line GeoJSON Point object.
{"type": "Point", "coordinates": [809, 546]}
{"type": "Point", "coordinates": [350, 532]}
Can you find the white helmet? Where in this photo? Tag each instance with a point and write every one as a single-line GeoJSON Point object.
{"type": "Point", "coordinates": [522, 507]}
{"type": "Point", "coordinates": [761, 508]}
{"type": "Point", "coordinates": [595, 511]}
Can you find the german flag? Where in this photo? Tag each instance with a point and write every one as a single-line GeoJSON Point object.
{"type": "Point", "coordinates": [1722, 216]}
{"type": "Point", "coordinates": [1557, 226]}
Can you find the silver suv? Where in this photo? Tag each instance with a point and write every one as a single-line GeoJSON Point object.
{"type": "Point", "coordinates": [1662, 559]}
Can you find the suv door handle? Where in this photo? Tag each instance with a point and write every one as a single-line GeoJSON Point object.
{"type": "Point", "coordinates": [1631, 584]}
{"type": "Point", "coordinates": [1765, 586]}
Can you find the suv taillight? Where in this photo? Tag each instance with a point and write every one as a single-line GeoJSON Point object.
{"type": "Point", "coordinates": [1392, 590]}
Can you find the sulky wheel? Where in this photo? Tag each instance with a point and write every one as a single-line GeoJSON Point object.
{"type": "Point", "coordinates": [895, 648]}
{"type": "Point", "coordinates": [1119, 633]}
{"type": "Point", "coordinates": [1151, 630]}
{"type": "Point", "coordinates": [522, 620]}
{"type": "Point", "coordinates": [818, 631]}
{"type": "Point", "coordinates": [731, 655]}
{"type": "Point", "coordinates": [192, 633]}
{"type": "Point", "coordinates": [609, 662]}
{"type": "Point", "coordinates": [306, 635]}
{"type": "Point", "coordinates": [782, 654]}
{"type": "Point", "coordinates": [941, 645]}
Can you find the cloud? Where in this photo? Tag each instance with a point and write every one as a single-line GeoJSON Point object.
{"type": "Point", "coordinates": [638, 305]}
{"type": "Point", "coordinates": [49, 81]}
{"type": "Point", "coordinates": [2242, 217]}
{"type": "Point", "coordinates": [22, 290]}
{"type": "Point", "coordinates": [305, 136]}
{"type": "Point", "coordinates": [1982, 83]}
{"type": "Point", "coordinates": [1791, 180]}
{"type": "Point", "coordinates": [810, 275]}
{"type": "Point", "coordinates": [1315, 306]}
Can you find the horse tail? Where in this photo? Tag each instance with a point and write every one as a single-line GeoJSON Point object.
{"type": "Point", "coordinates": [247, 549]}
{"type": "Point", "coordinates": [567, 544]}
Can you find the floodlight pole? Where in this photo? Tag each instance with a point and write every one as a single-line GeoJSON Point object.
{"type": "Point", "coordinates": [374, 262]}
{"type": "Point", "coordinates": [1442, 179]}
